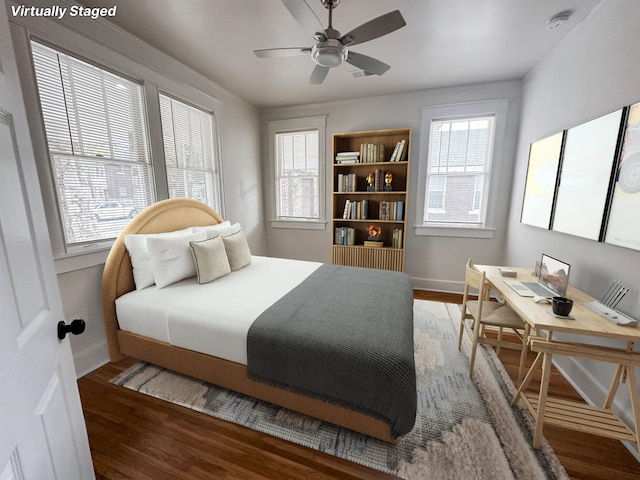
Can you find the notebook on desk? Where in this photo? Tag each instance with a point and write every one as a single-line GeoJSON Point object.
{"type": "Point", "coordinates": [552, 282]}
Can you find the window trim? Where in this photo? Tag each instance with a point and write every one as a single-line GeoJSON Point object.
{"type": "Point", "coordinates": [62, 38]}
{"type": "Point", "coordinates": [293, 125]}
{"type": "Point", "coordinates": [498, 108]}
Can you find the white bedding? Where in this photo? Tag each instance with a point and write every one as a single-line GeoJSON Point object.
{"type": "Point", "coordinates": [213, 318]}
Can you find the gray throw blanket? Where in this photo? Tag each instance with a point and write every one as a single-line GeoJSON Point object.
{"type": "Point", "coordinates": [345, 334]}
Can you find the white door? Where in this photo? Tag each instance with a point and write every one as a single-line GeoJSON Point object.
{"type": "Point", "coordinates": [42, 429]}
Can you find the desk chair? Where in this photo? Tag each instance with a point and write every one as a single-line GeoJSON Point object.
{"type": "Point", "coordinates": [483, 312]}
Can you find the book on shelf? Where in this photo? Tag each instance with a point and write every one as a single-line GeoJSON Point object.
{"type": "Point", "coordinates": [347, 157]}
{"type": "Point", "coordinates": [391, 210]}
{"type": "Point", "coordinates": [347, 182]}
{"type": "Point", "coordinates": [396, 239]}
{"type": "Point", "coordinates": [373, 244]}
{"type": "Point", "coordinates": [372, 152]}
{"type": "Point", "coordinates": [344, 236]}
{"type": "Point", "coordinates": [355, 209]}
{"type": "Point", "coordinates": [399, 151]}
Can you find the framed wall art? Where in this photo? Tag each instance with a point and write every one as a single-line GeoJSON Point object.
{"type": "Point", "coordinates": [542, 174]}
{"type": "Point", "coordinates": [586, 173]}
{"type": "Point", "coordinates": [623, 228]}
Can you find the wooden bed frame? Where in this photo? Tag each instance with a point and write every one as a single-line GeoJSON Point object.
{"type": "Point", "coordinates": [117, 279]}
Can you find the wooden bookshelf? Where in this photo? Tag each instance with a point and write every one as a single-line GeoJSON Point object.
{"type": "Point", "coordinates": [386, 208]}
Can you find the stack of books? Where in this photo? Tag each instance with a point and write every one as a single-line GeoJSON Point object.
{"type": "Point", "coordinates": [347, 157]}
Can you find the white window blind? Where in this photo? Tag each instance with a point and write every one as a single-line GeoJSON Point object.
{"type": "Point", "coordinates": [459, 161]}
{"type": "Point", "coordinates": [193, 169]}
{"type": "Point", "coordinates": [98, 145]}
{"type": "Point", "coordinates": [297, 174]}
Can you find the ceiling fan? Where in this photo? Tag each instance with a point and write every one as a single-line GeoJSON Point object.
{"type": "Point", "coordinates": [331, 49]}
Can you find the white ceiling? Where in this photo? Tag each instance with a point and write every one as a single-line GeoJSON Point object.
{"type": "Point", "coordinates": [445, 43]}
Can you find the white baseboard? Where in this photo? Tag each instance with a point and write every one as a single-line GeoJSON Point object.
{"type": "Point", "coordinates": [91, 359]}
{"type": "Point", "coordinates": [435, 285]}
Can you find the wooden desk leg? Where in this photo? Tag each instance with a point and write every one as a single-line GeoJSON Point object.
{"type": "Point", "coordinates": [613, 388]}
{"type": "Point", "coordinates": [635, 401]}
{"type": "Point", "coordinates": [542, 400]}
{"type": "Point", "coordinates": [523, 354]}
{"type": "Point", "coordinates": [527, 379]}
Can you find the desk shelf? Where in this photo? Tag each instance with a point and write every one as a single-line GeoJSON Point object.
{"type": "Point", "coordinates": [581, 417]}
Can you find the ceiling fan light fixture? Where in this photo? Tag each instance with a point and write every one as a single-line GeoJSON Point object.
{"type": "Point", "coordinates": [329, 53]}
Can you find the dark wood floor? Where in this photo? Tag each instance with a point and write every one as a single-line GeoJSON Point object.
{"type": "Point", "coordinates": [134, 436]}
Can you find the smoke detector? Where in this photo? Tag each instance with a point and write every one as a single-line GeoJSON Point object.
{"type": "Point", "coordinates": [559, 19]}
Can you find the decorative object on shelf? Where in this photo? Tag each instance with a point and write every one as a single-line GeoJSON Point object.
{"type": "Point", "coordinates": [374, 239]}
{"type": "Point", "coordinates": [388, 178]}
{"type": "Point", "coordinates": [374, 232]}
{"type": "Point", "coordinates": [371, 182]}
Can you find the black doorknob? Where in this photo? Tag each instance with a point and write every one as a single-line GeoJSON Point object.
{"type": "Point", "coordinates": [76, 327]}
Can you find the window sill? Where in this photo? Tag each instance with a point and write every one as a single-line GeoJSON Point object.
{"type": "Point", "coordinates": [299, 224]}
{"type": "Point", "coordinates": [77, 260]}
{"type": "Point", "coordinates": [453, 231]}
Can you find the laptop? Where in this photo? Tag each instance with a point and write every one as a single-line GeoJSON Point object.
{"type": "Point", "coordinates": [552, 282]}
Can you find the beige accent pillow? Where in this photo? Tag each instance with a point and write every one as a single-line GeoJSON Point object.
{"type": "Point", "coordinates": [237, 250]}
{"type": "Point", "coordinates": [210, 258]}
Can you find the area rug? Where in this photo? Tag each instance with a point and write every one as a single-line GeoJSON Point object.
{"type": "Point", "coordinates": [465, 428]}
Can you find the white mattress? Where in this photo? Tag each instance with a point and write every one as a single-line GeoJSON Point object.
{"type": "Point", "coordinates": [213, 318]}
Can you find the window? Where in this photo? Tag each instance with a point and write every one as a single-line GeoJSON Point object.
{"type": "Point", "coordinates": [99, 128]}
{"type": "Point", "coordinates": [297, 174]}
{"type": "Point", "coordinates": [458, 168]}
{"type": "Point", "coordinates": [189, 150]}
{"type": "Point", "coordinates": [298, 154]}
{"type": "Point", "coordinates": [98, 145]}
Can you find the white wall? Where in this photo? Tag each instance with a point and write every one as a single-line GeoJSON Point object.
{"type": "Point", "coordinates": [593, 72]}
{"type": "Point", "coordinates": [433, 262]}
{"type": "Point", "coordinates": [80, 278]}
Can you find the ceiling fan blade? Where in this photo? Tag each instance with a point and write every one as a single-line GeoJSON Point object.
{"type": "Point", "coordinates": [281, 52]}
{"type": "Point", "coordinates": [304, 15]}
{"type": "Point", "coordinates": [318, 75]}
{"type": "Point", "coordinates": [366, 63]}
{"type": "Point", "coordinates": [375, 28]}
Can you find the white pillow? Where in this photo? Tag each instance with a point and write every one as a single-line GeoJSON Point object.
{"type": "Point", "coordinates": [237, 250]}
{"type": "Point", "coordinates": [141, 258]}
{"type": "Point", "coordinates": [171, 258]}
{"type": "Point", "coordinates": [224, 228]}
{"type": "Point", "coordinates": [210, 258]}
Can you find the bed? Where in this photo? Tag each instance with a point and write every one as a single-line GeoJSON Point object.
{"type": "Point", "coordinates": [169, 327]}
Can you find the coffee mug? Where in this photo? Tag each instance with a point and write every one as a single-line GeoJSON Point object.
{"type": "Point", "coordinates": [562, 306]}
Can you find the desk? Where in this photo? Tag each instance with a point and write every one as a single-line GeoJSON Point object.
{"type": "Point", "coordinates": [572, 415]}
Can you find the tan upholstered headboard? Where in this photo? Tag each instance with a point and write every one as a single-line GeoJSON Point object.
{"type": "Point", "coordinates": [117, 278]}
